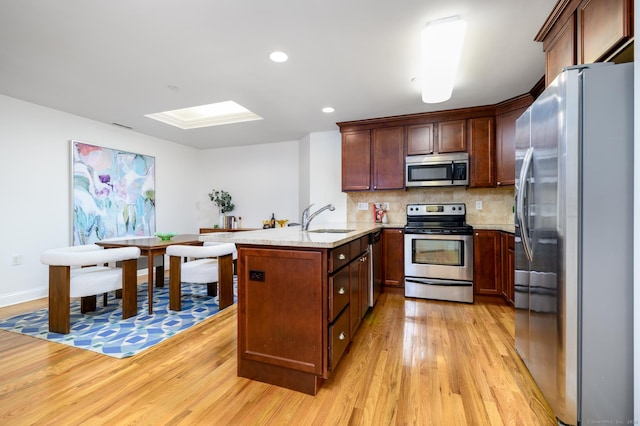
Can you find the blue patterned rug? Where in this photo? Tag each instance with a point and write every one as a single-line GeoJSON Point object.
{"type": "Point", "coordinates": [104, 331]}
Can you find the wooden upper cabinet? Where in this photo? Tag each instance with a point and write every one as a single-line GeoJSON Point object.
{"type": "Point", "coordinates": [441, 137]}
{"type": "Point", "coordinates": [561, 50]}
{"type": "Point", "coordinates": [481, 152]}
{"type": "Point", "coordinates": [452, 136]}
{"type": "Point", "coordinates": [506, 139]}
{"type": "Point", "coordinates": [388, 158]}
{"type": "Point", "coordinates": [602, 26]}
{"type": "Point", "coordinates": [356, 160]}
{"type": "Point", "coordinates": [506, 148]}
{"type": "Point", "coordinates": [586, 31]}
{"type": "Point", "coordinates": [420, 139]}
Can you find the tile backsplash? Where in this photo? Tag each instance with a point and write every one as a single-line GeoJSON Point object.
{"type": "Point", "coordinates": [497, 203]}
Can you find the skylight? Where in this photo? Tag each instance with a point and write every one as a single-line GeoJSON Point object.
{"type": "Point", "coordinates": [217, 114]}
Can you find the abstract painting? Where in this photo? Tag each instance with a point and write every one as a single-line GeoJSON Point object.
{"type": "Point", "coordinates": [113, 193]}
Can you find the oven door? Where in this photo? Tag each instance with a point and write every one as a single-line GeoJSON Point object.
{"type": "Point", "coordinates": [444, 257]}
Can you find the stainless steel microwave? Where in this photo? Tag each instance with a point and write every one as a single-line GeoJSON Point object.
{"type": "Point", "coordinates": [437, 170]}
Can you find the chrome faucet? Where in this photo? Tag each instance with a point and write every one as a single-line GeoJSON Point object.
{"type": "Point", "coordinates": [306, 218]}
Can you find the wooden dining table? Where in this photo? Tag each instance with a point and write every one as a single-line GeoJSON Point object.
{"type": "Point", "coordinates": [151, 247]}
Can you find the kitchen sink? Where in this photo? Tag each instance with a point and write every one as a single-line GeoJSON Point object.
{"type": "Point", "coordinates": [331, 231]}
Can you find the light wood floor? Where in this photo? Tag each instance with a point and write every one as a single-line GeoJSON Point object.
{"type": "Point", "coordinates": [412, 362]}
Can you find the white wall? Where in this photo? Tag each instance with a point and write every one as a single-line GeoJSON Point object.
{"type": "Point", "coordinates": [304, 159]}
{"type": "Point", "coordinates": [35, 184]}
{"type": "Point", "coordinates": [325, 177]}
{"type": "Point", "coordinates": [636, 235]}
{"type": "Point", "coordinates": [280, 178]}
{"type": "Point", "coordinates": [262, 179]}
{"type": "Point", "coordinates": [35, 187]}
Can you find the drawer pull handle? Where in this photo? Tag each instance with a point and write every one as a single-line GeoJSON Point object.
{"type": "Point", "coordinates": [342, 336]}
{"type": "Point", "coordinates": [342, 256]}
{"type": "Point", "coordinates": [341, 290]}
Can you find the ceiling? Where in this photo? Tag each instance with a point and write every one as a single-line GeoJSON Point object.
{"type": "Point", "coordinates": [115, 61]}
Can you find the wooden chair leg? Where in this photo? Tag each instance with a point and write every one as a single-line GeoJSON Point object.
{"type": "Point", "coordinates": [104, 299]}
{"type": "Point", "coordinates": [88, 304]}
{"type": "Point", "coordinates": [175, 286]}
{"type": "Point", "coordinates": [59, 299]}
{"type": "Point", "coordinates": [212, 289]}
{"type": "Point", "coordinates": [130, 288]}
{"type": "Point", "coordinates": [225, 280]}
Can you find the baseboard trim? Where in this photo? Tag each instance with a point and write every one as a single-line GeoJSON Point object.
{"type": "Point", "coordinates": [25, 296]}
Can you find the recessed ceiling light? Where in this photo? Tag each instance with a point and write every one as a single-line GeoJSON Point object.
{"type": "Point", "coordinates": [278, 57]}
{"type": "Point", "coordinates": [328, 109]}
{"type": "Point", "coordinates": [217, 114]}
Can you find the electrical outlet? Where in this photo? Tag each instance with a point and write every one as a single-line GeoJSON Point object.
{"type": "Point", "coordinates": [16, 259]}
{"type": "Point", "coordinates": [363, 206]}
{"type": "Point", "coordinates": [479, 205]}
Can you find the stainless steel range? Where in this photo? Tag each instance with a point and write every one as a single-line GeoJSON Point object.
{"type": "Point", "coordinates": [438, 253]}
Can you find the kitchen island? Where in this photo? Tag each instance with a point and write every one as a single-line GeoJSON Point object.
{"type": "Point", "coordinates": [301, 297]}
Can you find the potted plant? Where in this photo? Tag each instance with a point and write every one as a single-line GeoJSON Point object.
{"type": "Point", "coordinates": [222, 199]}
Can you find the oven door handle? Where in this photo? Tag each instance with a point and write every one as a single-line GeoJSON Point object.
{"type": "Point", "coordinates": [523, 190]}
{"type": "Point", "coordinates": [444, 283]}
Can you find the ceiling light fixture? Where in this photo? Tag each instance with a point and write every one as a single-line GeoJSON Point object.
{"type": "Point", "coordinates": [328, 109]}
{"type": "Point", "coordinates": [278, 57]}
{"type": "Point", "coordinates": [217, 114]}
{"type": "Point", "coordinates": [442, 41]}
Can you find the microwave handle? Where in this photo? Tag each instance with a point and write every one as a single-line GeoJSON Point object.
{"type": "Point", "coordinates": [453, 172]}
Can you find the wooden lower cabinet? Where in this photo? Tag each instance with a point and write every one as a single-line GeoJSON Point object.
{"type": "Point", "coordinates": [487, 272]}
{"type": "Point", "coordinates": [393, 257]}
{"type": "Point", "coordinates": [359, 300]}
{"type": "Point", "coordinates": [298, 311]}
{"type": "Point", "coordinates": [363, 283]}
{"type": "Point", "coordinates": [507, 248]}
{"type": "Point", "coordinates": [494, 264]}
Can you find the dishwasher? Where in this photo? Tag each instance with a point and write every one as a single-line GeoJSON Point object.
{"type": "Point", "coordinates": [375, 266]}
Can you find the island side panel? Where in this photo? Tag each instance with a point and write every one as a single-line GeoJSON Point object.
{"type": "Point", "coordinates": [282, 316]}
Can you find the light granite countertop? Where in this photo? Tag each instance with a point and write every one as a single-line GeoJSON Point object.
{"type": "Point", "coordinates": [294, 236]}
{"type": "Point", "coordinates": [505, 227]}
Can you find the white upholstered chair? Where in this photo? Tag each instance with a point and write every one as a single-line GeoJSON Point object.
{"type": "Point", "coordinates": [80, 271]}
{"type": "Point", "coordinates": [213, 265]}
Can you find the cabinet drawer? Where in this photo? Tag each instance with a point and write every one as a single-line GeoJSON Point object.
{"type": "Point", "coordinates": [338, 293]}
{"type": "Point", "coordinates": [339, 338]}
{"type": "Point", "coordinates": [358, 246]}
{"type": "Point", "coordinates": [339, 256]}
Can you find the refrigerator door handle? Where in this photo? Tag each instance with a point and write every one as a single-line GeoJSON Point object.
{"type": "Point", "coordinates": [522, 190]}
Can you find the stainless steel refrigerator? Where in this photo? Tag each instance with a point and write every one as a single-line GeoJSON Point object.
{"type": "Point", "coordinates": [574, 228]}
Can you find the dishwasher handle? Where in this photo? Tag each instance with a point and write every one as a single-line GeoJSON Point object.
{"type": "Point", "coordinates": [375, 236]}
